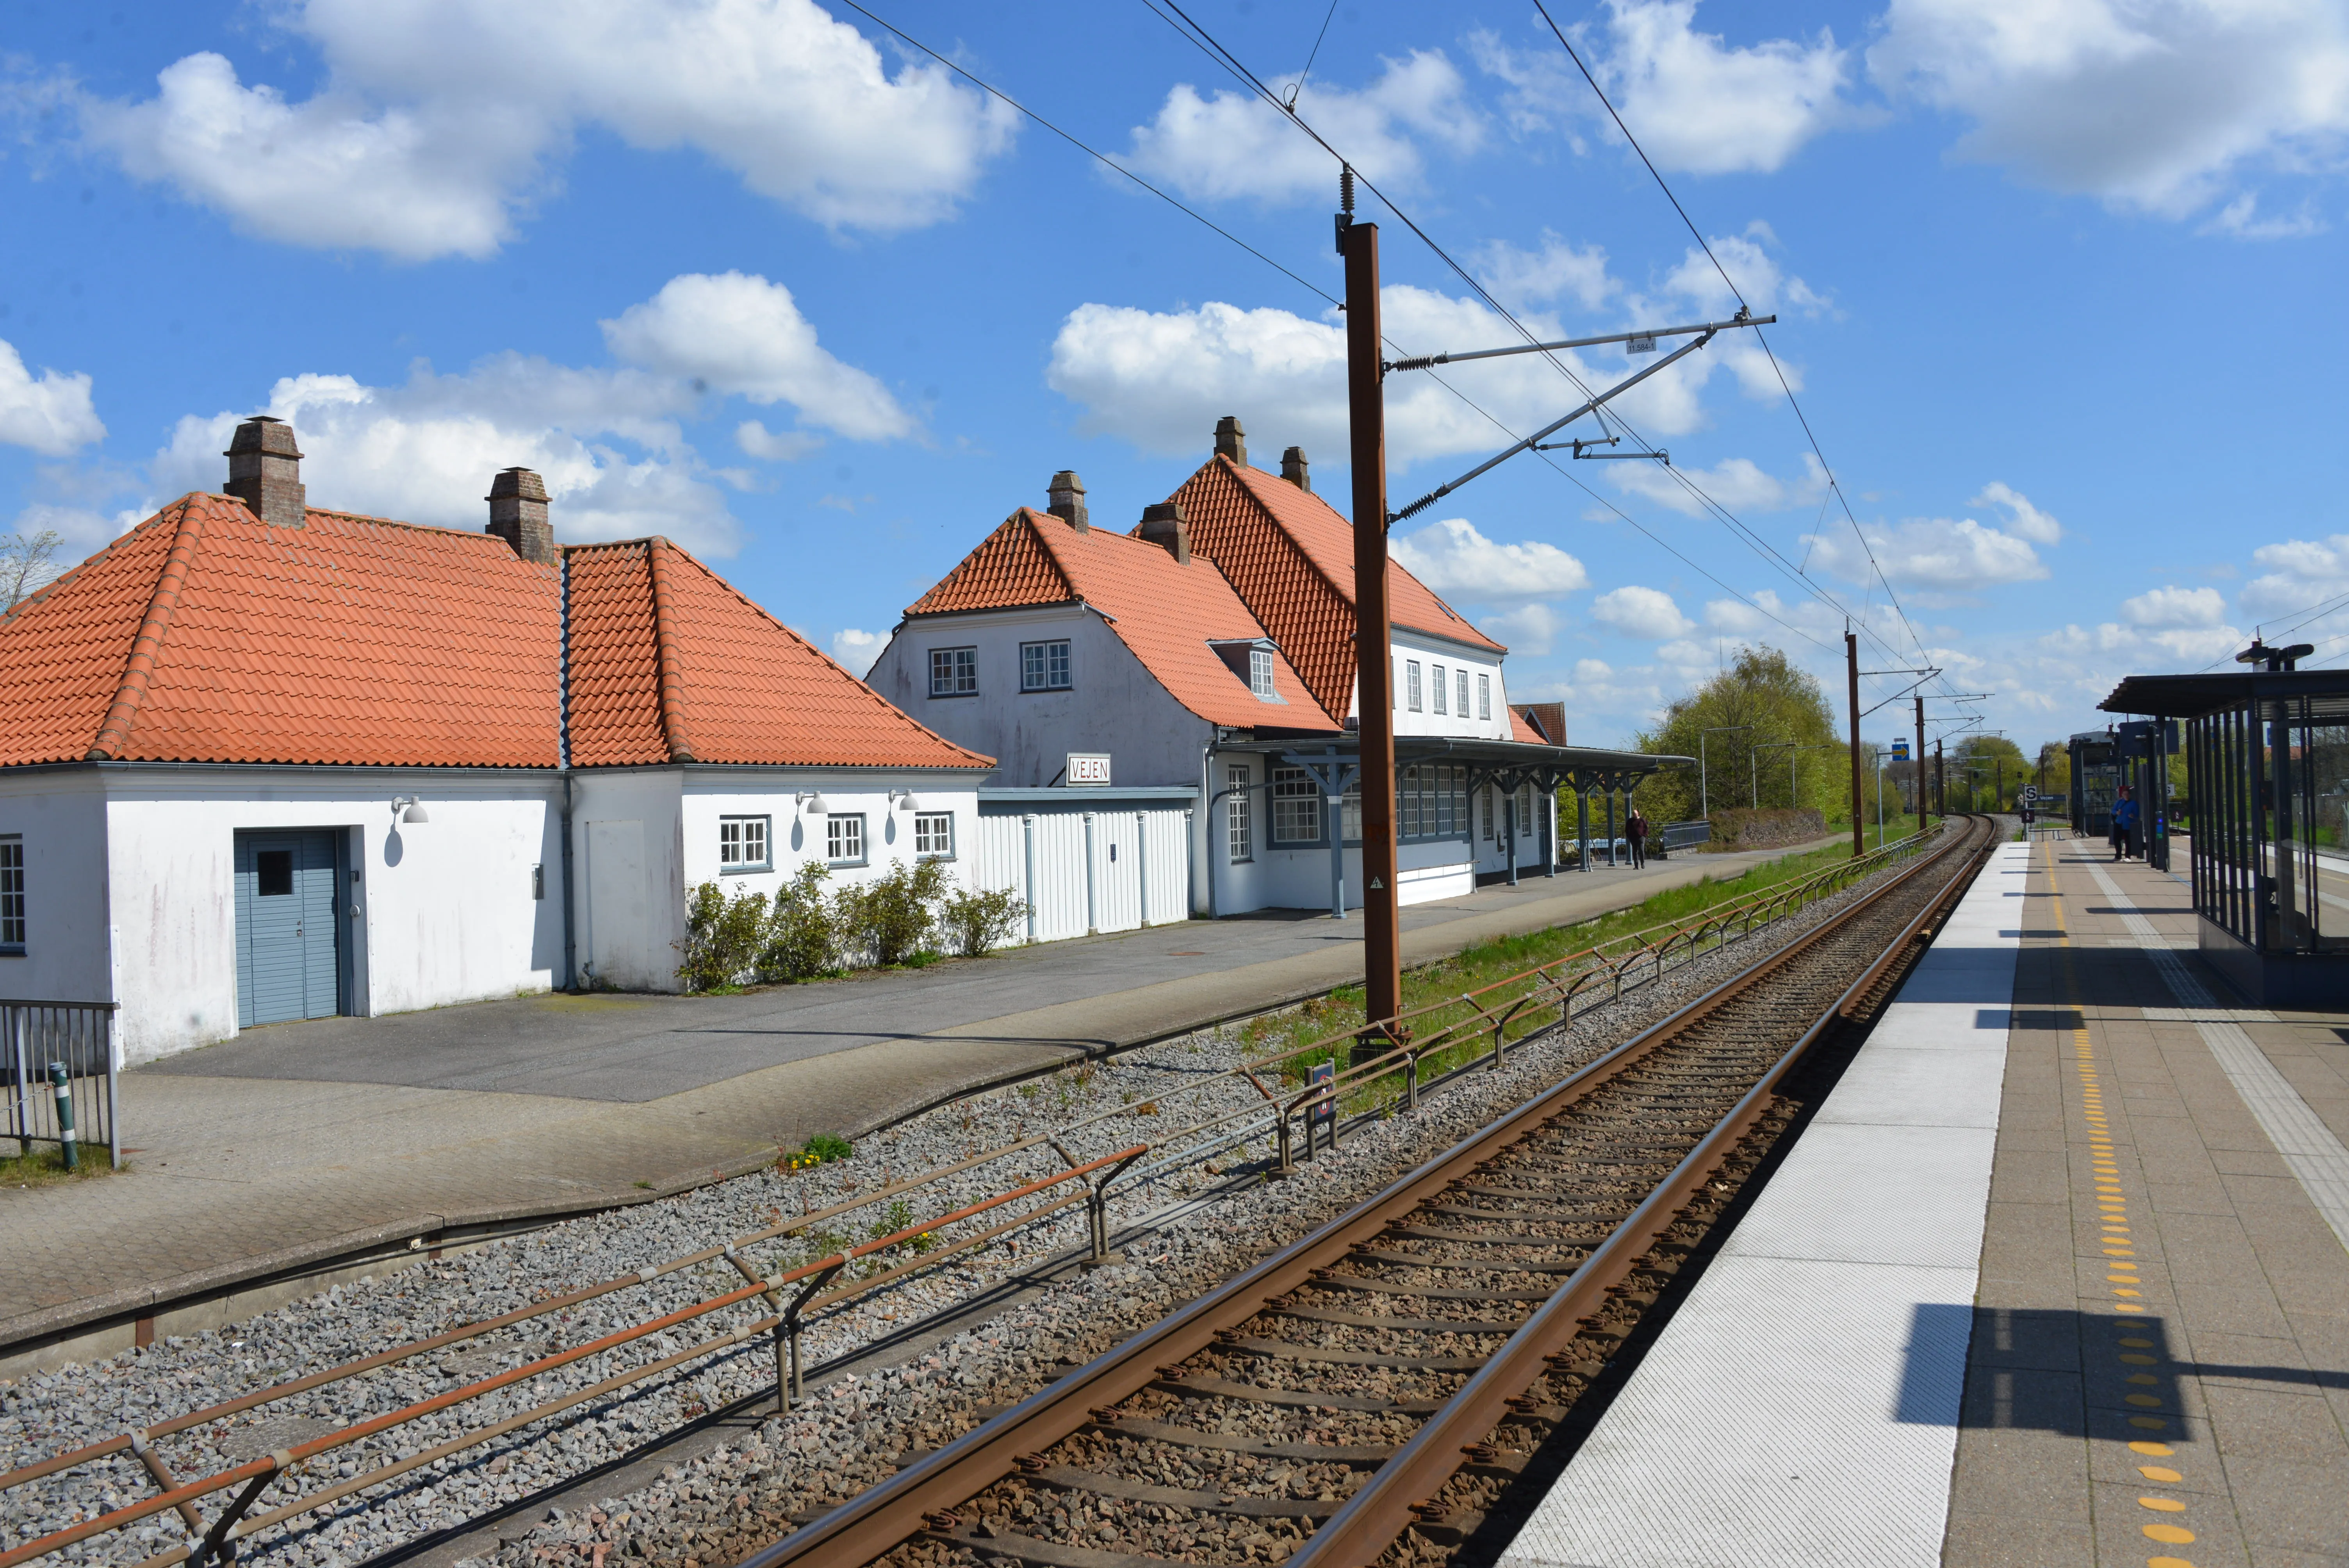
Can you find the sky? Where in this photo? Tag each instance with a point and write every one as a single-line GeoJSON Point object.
{"type": "Point", "coordinates": [2053, 396]}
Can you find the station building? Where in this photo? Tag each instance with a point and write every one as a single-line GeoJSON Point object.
{"type": "Point", "coordinates": [262, 761]}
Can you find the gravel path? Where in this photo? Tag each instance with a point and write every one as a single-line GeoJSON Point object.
{"type": "Point", "coordinates": [850, 1433]}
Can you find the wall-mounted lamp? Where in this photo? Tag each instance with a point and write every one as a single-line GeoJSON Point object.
{"type": "Point", "coordinates": [811, 802]}
{"type": "Point", "coordinates": [906, 799]}
{"type": "Point", "coordinates": [414, 809]}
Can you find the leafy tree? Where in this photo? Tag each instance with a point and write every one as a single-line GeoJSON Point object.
{"type": "Point", "coordinates": [1777, 703]}
{"type": "Point", "coordinates": [1996, 767]}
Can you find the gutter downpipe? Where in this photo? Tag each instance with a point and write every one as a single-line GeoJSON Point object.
{"type": "Point", "coordinates": [563, 757]}
{"type": "Point", "coordinates": [1208, 820]}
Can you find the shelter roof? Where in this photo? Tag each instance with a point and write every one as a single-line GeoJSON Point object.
{"type": "Point", "coordinates": [2192, 696]}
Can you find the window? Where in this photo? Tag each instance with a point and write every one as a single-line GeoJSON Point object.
{"type": "Point", "coordinates": [742, 844]}
{"type": "Point", "coordinates": [1485, 701]}
{"type": "Point", "coordinates": [1486, 796]}
{"type": "Point", "coordinates": [933, 835]}
{"type": "Point", "coordinates": [1525, 811]}
{"type": "Point", "coordinates": [1410, 684]}
{"type": "Point", "coordinates": [12, 896]}
{"type": "Point", "coordinates": [537, 882]}
{"type": "Point", "coordinates": [1438, 673]}
{"type": "Point", "coordinates": [273, 870]}
{"type": "Point", "coordinates": [843, 838]}
{"type": "Point", "coordinates": [954, 672]}
{"type": "Point", "coordinates": [1407, 806]}
{"type": "Point", "coordinates": [1462, 676]}
{"type": "Point", "coordinates": [1432, 802]}
{"type": "Point", "coordinates": [1260, 673]}
{"type": "Point", "coordinates": [1044, 666]}
{"type": "Point", "coordinates": [1241, 841]}
{"type": "Point", "coordinates": [1295, 807]}
{"type": "Point", "coordinates": [1350, 816]}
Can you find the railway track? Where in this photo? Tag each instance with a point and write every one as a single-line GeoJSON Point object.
{"type": "Point", "coordinates": [1370, 1392]}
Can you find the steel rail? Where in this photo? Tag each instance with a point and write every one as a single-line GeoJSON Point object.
{"type": "Point", "coordinates": [873, 1524]}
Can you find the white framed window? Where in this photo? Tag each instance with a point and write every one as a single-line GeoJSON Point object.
{"type": "Point", "coordinates": [1295, 807]}
{"type": "Point", "coordinates": [1411, 685]}
{"type": "Point", "coordinates": [1260, 672]}
{"type": "Point", "coordinates": [954, 672]}
{"type": "Point", "coordinates": [1525, 811]}
{"type": "Point", "coordinates": [12, 896]}
{"type": "Point", "coordinates": [933, 835]}
{"type": "Point", "coordinates": [1438, 673]}
{"type": "Point", "coordinates": [1044, 666]}
{"type": "Point", "coordinates": [843, 838]}
{"type": "Point", "coordinates": [1239, 835]}
{"type": "Point", "coordinates": [1485, 701]}
{"type": "Point", "coordinates": [1407, 804]}
{"type": "Point", "coordinates": [1462, 677]}
{"type": "Point", "coordinates": [1350, 816]}
{"type": "Point", "coordinates": [1484, 797]}
{"type": "Point", "coordinates": [742, 844]}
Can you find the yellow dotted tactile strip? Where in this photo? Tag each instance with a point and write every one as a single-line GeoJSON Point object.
{"type": "Point", "coordinates": [2121, 1272]}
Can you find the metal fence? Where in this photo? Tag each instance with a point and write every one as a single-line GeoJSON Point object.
{"type": "Point", "coordinates": [58, 1061]}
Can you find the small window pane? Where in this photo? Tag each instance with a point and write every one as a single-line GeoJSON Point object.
{"type": "Point", "coordinates": [1350, 810]}
{"type": "Point", "coordinates": [741, 842]}
{"type": "Point", "coordinates": [843, 838]}
{"type": "Point", "coordinates": [1295, 807]}
{"type": "Point", "coordinates": [1260, 672]}
{"type": "Point", "coordinates": [273, 873]}
{"type": "Point", "coordinates": [1240, 840]}
{"type": "Point", "coordinates": [1411, 685]}
{"type": "Point", "coordinates": [12, 893]}
{"type": "Point", "coordinates": [1485, 701]}
{"type": "Point", "coordinates": [954, 672]}
{"type": "Point", "coordinates": [1409, 826]}
{"type": "Point", "coordinates": [1044, 666]}
{"type": "Point", "coordinates": [1462, 677]}
{"type": "Point", "coordinates": [1438, 673]}
{"type": "Point", "coordinates": [933, 832]}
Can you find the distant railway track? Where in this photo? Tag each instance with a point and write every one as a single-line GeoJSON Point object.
{"type": "Point", "coordinates": [1367, 1393]}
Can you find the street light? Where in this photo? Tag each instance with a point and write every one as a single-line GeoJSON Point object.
{"type": "Point", "coordinates": [1703, 796]}
{"type": "Point", "coordinates": [1794, 749]}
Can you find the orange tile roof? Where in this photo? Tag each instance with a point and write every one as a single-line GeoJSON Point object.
{"type": "Point", "coordinates": [206, 635]}
{"type": "Point", "coordinates": [1520, 729]}
{"type": "Point", "coordinates": [1291, 556]}
{"type": "Point", "coordinates": [1166, 611]}
{"type": "Point", "coordinates": [671, 662]}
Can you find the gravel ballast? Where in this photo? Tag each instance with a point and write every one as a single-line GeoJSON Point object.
{"type": "Point", "coordinates": [1212, 1217]}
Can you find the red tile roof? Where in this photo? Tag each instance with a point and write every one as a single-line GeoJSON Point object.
{"type": "Point", "coordinates": [1520, 729]}
{"type": "Point", "coordinates": [671, 663]}
{"type": "Point", "coordinates": [1291, 557]}
{"type": "Point", "coordinates": [205, 635]}
{"type": "Point", "coordinates": [1166, 611]}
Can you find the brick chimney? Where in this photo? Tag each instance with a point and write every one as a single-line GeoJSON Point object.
{"type": "Point", "coordinates": [517, 500]}
{"type": "Point", "coordinates": [1067, 496]}
{"type": "Point", "coordinates": [1293, 469]}
{"type": "Point", "coordinates": [1162, 525]}
{"type": "Point", "coordinates": [1231, 441]}
{"type": "Point", "coordinates": [264, 471]}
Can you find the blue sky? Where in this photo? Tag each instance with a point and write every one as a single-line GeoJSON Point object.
{"type": "Point", "coordinates": [2059, 289]}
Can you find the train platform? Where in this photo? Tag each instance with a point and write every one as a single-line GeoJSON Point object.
{"type": "Point", "coordinates": [2058, 1274]}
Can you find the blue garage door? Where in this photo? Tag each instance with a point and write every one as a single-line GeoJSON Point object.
{"type": "Point", "coordinates": [286, 961]}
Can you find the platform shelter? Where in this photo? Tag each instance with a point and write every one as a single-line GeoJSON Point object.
{"type": "Point", "coordinates": [2268, 773]}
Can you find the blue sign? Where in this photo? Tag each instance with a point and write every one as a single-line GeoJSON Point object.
{"type": "Point", "coordinates": [1899, 752]}
{"type": "Point", "coordinates": [1322, 1110]}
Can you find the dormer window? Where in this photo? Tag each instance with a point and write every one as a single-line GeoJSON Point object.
{"type": "Point", "coordinates": [1260, 673]}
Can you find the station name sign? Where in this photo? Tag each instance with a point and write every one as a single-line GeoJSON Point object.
{"type": "Point", "coordinates": [1088, 768]}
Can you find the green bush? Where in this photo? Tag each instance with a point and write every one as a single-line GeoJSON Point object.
{"type": "Point", "coordinates": [978, 922]}
{"type": "Point", "coordinates": [723, 937]}
{"type": "Point", "coordinates": [891, 917]}
{"type": "Point", "coordinates": [804, 933]}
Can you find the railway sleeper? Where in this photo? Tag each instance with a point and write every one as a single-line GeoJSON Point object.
{"type": "Point", "coordinates": [1289, 1350]}
{"type": "Point", "coordinates": [1490, 1266]}
{"type": "Point", "coordinates": [1191, 1386]}
{"type": "Point", "coordinates": [1432, 1292]}
{"type": "Point", "coordinates": [1067, 1478]}
{"type": "Point", "coordinates": [1409, 1325]}
{"type": "Point", "coordinates": [1364, 1457]}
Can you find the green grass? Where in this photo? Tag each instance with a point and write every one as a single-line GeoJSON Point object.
{"type": "Point", "coordinates": [1296, 1028]}
{"type": "Point", "coordinates": [45, 1166]}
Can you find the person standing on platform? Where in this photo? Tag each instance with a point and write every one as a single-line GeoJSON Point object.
{"type": "Point", "coordinates": [2124, 825]}
{"type": "Point", "coordinates": [1636, 829]}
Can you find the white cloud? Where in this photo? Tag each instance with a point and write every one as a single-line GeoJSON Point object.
{"type": "Point", "coordinates": [2165, 609]}
{"type": "Point", "coordinates": [2155, 105]}
{"type": "Point", "coordinates": [1737, 483]}
{"type": "Point", "coordinates": [2300, 574]}
{"type": "Point", "coordinates": [1160, 379]}
{"type": "Point", "coordinates": [1695, 101]}
{"type": "Point", "coordinates": [51, 415]}
{"type": "Point", "coordinates": [2239, 219]}
{"type": "Point", "coordinates": [439, 119]}
{"type": "Point", "coordinates": [2111, 649]}
{"type": "Point", "coordinates": [734, 332]}
{"type": "Point", "coordinates": [1767, 285]}
{"type": "Point", "coordinates": [775, 446]}
{"type": "Point", "coordinates": [1646, 614]}
{"type": "Point", "coordinates": [1458, 562]}
{"type": "Point", "coordinates": [1938, 554]}
{"type": "Point", "coordinates": [1528, 630]}
{"type": "Point", "coordinates": [1233, 144]}
{"type": "Point", "coordinates": [1521, 278]}
{"type": "Point", "coordinates": [856, 650]}
{"type": "Point", "coordinates": [2023, 519]}
{"type": "Point", "coordinates": [424, 451]}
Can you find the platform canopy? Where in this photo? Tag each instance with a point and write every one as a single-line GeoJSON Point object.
{"type": "Point", "coordinates": [1507, 763]}
{"type": "Point", "coordinates": [2197, 695]}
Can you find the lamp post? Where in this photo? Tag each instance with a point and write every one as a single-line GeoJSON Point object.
{"type": "Point", "coordinates": [1703, 795]}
